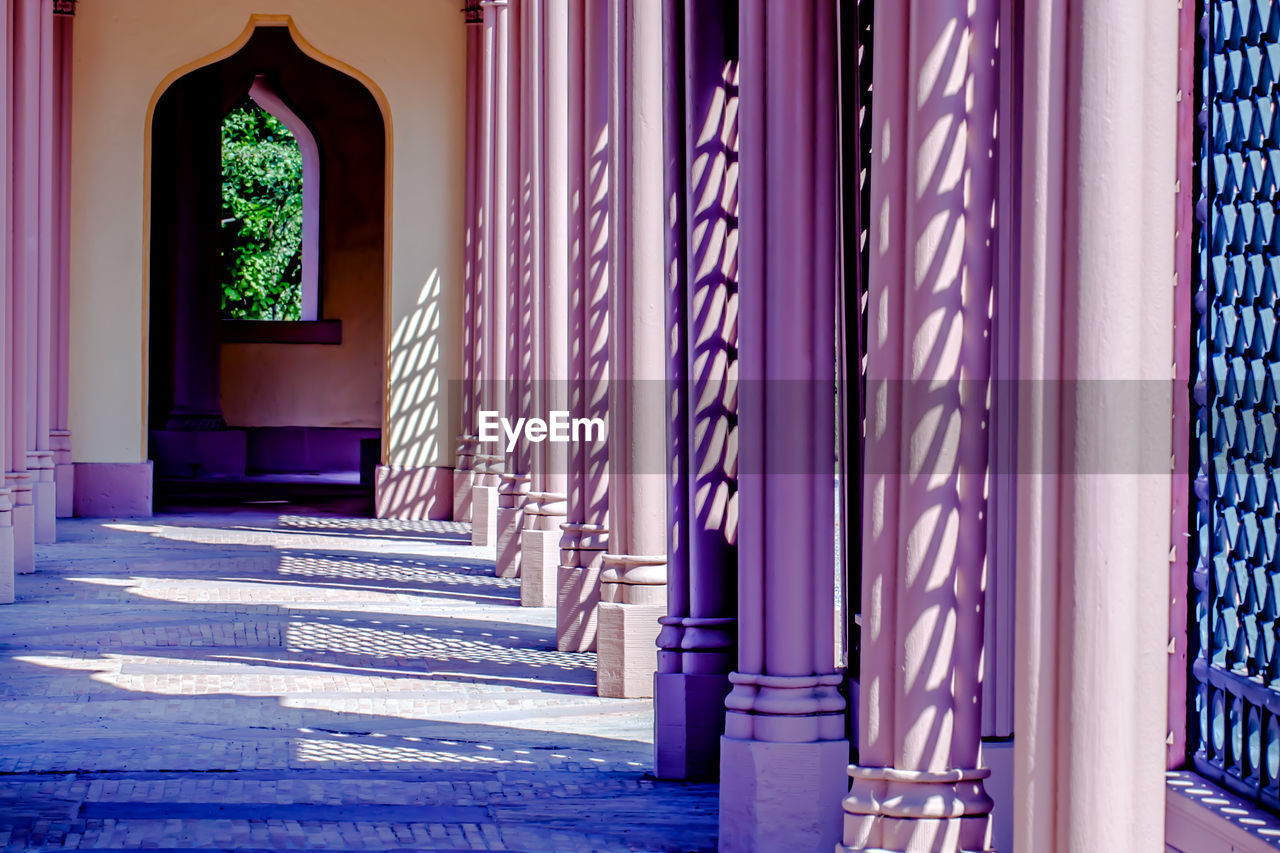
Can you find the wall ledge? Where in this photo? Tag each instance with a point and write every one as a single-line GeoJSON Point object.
{"type": "Point", "coordinates": [1200, 817]}
{"type": "Point", "coordinates": [282, 331]}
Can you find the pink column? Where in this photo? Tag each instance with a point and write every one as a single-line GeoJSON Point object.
{"type": "Point", "coordinates": [39, 454]}
{"type": "Point", "coordinates": [25, 217]}
{"type": "Point", "coordinates": [493, 242]}
{"type": "Point", "coordinates": [784, 753]}
{"type": "Point", "coordinates": [1098, 207]}
{"type": "Point", "coordinates": [585, 528]}
{"type": "Point", "coordinates": [514, 484]}
{"type": "Point", "coordinates": [464, 474]}
{"type": "Point", "coordinates": [546, 506]}
{"type": "Point", "coordinates": [7, 245]}
{"type": "Point", "coordinates": [633, 583]}
{"type": "Point", "coordinates": [697, 645]}
{"type": "Point", "coordinates": [918, 781]}
{"type": "Point", "coordinates": [60, 419]}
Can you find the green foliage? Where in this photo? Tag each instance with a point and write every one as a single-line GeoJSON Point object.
{"type": "Point", "coordinates": [261, 217]}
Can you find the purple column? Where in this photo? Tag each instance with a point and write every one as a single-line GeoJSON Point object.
{"type": "Point", "coordinates": [515, 479]}
{"type": "Point", "coordinates": [633, 583]}
{"type": "Point", "coordinates": [928, 371]}
{"type": "Point", "coordinates": [784, 753]}
{"type": "Point", "coordinates": [464, 474]}
{"type": "Point", "coordinates": [24, 267]}
{"type": "Point", "coordinates": [60, 419]}
{"type": "Point", "coordinates": [493, 270]}
{"type": "Point", "coordinates": [546, 505]}
{"type": "Point", "coordinates": [7, 174]}
{"type": "Point", "coordinates": [697, 645]}
{"type": "Point", "coordinates": [585, 528]}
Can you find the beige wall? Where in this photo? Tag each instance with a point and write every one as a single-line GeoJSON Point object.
{"type": "Point", "coordinates": [411, 52]}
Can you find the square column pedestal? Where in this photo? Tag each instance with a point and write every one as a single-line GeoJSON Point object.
{"type": "Point", "coordinates": [688, 723]}
{"type": "Point", "coordinates": [24, 522]}
{"type": "Point", "coordinates": [464, 481]}
{"type": "Point", "coordinates": [6, 550]}
{"type": "Point", "coordinates": [781, 797]}
{"type": "Point", "coordinates": [43, 496]}
{"type": "Point", "coordinates": [577, 605]}
{"type": "Point", "coordinates": [507, 561]}
{"type": "Point", "coordinates": [539, 567]}
{"type": "Point", "coordinates": [484, 516]}
{"type": "Point", "coordinates": [627, 649]}
{"type": "Point", "coordinates": [64, 476]}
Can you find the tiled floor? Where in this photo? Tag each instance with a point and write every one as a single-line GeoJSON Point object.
{"type": "Point", "coordinates": [261, 681]}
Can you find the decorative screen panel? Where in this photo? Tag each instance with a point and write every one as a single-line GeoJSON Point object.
{"type": "Point", "coordinates": [1234, 730]}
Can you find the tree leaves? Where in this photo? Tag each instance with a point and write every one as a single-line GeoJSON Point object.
{"type": "Point", "coordinates": [261, 217]}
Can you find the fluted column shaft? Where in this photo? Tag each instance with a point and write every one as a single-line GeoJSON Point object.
{"type": "Point", "coordinates": [585, 529]}
{"type": "Point", "coordinates": [928, 369]}
{"type": "Point", "coordinates": [518, 259]}
{"type": "Point", "coordinates": [785, 709]}
{"type": "Point", "coordinates": [545, 505]}
{"type": "Point", "coordinates": [60, 418]}
{"type": "Point", "coordinates": [491, 330]}
{"type": "Point", "coordinates": [1098, 195]}
{"type": "Point", "coordinates": [697, 644]}
{"type": "Point", "coordinates": [464, 476]}
{"type": "Point", "coordinates": [24, 271]}
{"type": "Point", "coordinates": [40, 355]}
{"type": "Point", "coordinates": [557, 253]}
{"type": "Point", "coordinates": [633, 584]}
{"type": "Point", "coordinates": [7, 214]}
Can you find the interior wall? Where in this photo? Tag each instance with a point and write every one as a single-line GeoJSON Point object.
{"type": "Point", "coordinates": [411, 53]}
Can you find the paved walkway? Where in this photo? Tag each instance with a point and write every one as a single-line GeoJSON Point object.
{"type": "Point", "coordinates": [265, 681]}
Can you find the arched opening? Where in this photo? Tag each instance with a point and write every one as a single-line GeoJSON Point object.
{"type": "Point", "coordinates": [281, 401]}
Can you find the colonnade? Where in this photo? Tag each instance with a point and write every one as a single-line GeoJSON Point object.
{"type": "Point", "coordinates": [654, 238]}
{"type": "Point", "coordinates": [621, 196]}
{"type": "Point", "coordinates": [655, 228]}
{"type": "Point", "coordinates": [34, 339]}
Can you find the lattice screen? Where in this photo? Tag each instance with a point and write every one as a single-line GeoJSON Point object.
{"type": "Point", "coordinates": [1235, 696]}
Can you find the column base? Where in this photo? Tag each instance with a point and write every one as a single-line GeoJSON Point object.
{"type": "Point", "coordinates": [113, 489]}
{"type": "Point", "coordinates": [6, 557]}
{"type": "Point", "coordinates": [781, 797]}
{"type": "Point", "coordinates": [63, 473]}
{"type": "Point", "coordinates": [539, 567]}
{"type": "Point", "coordinates": [507, 562]}
{"type": "Point", "coordinates": [577, 601]}
{"type": "Point", "coordinates": [44, 502]}
{"type": "Point", "coordinates": [627, 649]}
{"type": "Point", "coordinates": [484, 516]}
{"type": "Point", "coordinates": [464, 481]}
{"type": "Point", "coordinates": [43, 495]}
{"type": "Point", "coordinates": [688, 722]}
{"type": "Point", "coordinates": [896, 811]}
{"type": "Point", "coordinates": [24, 538]}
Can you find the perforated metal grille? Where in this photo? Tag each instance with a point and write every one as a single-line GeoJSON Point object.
{"type": "Point", "coordinates": [1235, 696]}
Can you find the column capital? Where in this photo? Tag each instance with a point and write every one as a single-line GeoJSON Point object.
{"type": "Point", "coordinates": [64, 7]}
{"type": "Point", "coordinates": [473, 13]}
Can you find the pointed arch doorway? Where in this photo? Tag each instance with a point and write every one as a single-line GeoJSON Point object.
{"type": "Point", "coordinates": [279, 396]}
